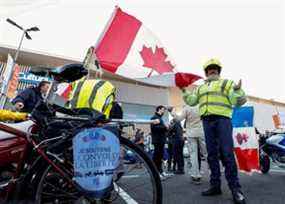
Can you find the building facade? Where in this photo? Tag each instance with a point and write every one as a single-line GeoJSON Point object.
{"type": "Point", "coordinates": [138, 99]}
{"type": "Point", "coordinates": [263, 109]}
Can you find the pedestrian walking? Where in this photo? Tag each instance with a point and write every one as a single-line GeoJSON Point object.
{"type": "Point", "coordinates": [195, 138]}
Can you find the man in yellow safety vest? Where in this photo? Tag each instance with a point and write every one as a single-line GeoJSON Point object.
{"type": "Point", "coordinates": [216, 99]}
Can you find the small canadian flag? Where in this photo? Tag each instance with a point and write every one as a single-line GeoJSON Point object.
{"type": "Point", "coordinates": [246, 149]}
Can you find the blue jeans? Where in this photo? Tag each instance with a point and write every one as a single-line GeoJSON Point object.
{"type": "Point", "coordinates": [218, 134]}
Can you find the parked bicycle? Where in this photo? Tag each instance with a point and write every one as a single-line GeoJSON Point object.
{"type": "Point", "coordinates": [37, 157]}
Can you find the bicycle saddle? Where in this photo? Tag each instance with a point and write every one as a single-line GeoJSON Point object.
{"type": "Point", "coordinates": [66, 73]}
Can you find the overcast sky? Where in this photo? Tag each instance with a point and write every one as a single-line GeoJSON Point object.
{"type": "Point", "coordinates": [246, 35]}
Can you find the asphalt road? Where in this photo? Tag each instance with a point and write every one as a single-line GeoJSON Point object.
{"type": "Point", "coordinates": [178, 189]}
{"type": "Point", "coordinates": [258, 189]}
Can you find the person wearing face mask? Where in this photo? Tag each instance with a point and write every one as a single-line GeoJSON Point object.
{"type": "Point", "coordinates": [216, 99]}
{"type": "Point", "coordinates": [158, 134]}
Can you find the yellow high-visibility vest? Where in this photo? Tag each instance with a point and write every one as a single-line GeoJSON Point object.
{"type": "Point", "coordinates": [92, 93]}
{"type": "Point", "coordinates": [214, 98]}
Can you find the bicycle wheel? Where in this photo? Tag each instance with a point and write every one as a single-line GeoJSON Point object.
{"type": "Point", "coordinates": [135, 181]}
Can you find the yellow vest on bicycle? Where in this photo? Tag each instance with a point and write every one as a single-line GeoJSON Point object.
{"type": "Point", "coordinates": [92, 93]}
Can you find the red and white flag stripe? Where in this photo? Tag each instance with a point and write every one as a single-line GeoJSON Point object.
{"type": "Point", "coordinates": [246, 149]}
{"type": "Point", "coordinates": [128, 48]}
{"type": "Point", "coordinates": [64, 90]}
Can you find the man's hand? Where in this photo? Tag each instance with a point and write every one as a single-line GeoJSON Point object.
{"type": "Point", "coordinates": [19, 106]}
{"type": "Point", "coordinates": [238, 86]}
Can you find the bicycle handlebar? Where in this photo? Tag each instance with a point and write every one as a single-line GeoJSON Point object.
{"type": "Point", "coordinates": [119, 121]}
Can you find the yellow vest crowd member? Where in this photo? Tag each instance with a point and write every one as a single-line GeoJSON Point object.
{"type": "Point", "coordinates": [92, 93]}
{"type": "Point", "coordinates": [216, 99]}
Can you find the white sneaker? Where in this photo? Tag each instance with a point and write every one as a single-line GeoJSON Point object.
{"type": "Point", "coordinates": [167, 174]}
{"type": "Point", "coordinates": [162, 178]}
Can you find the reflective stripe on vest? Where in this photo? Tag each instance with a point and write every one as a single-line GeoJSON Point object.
{"type": "Point", "coordinates": [89, 86]}
{"type": "Point", "coordinates": [228, 86]}
{"type": "Point", "coordinates": [216, 104]}
{"type": "Point", "coordinates": [108, 104]}
{"type": "Point", "coordinates": [94, 92]}
{"type": "Point", "coordinates": [212, 93]}
{"type": "Point", "coordinates": [75, 94]}
{"type": "Point", "coordinates": [102, 95]}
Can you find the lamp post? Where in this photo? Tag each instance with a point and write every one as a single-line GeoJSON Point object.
{"type": "Point", "coordinates": [25, 34]}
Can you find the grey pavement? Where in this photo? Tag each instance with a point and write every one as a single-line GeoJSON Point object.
{"type": "Point", "coordinates": [258, 189]}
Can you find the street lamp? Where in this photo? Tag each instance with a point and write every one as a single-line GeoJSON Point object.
{"type": "Point", "coordinates": [25, 34]}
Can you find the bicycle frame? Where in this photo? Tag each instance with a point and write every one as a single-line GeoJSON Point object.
{"type": "Point", "coordinates": [23, 159]}
{"type": "Point", "coordinates": [27, 141]}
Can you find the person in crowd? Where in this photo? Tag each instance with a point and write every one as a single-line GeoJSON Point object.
{"type": "Point", "coordinates": [148, 143]}
{"type": "Point", "coordinates": [139, 138]}
{"type": "Point", "coordinates": [171, 163]}
{"type": "Point", "coordinates": [116, 111]}
{"type": "Point", "coordinates": [216, 99]}
{"type": "Point", "coordinates": [26, 100]}
{"type": "Point", "coordinates": [176, 130]}
{"type": "Point", "coordinates": [195, 138]}
{"type": "Point", "coordinates": [158, 133]}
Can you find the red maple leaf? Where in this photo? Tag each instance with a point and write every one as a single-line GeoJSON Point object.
{"type": "Point", "coordinates": [242, 137]}
{"type": "Point", "coordinates": [156, 60]}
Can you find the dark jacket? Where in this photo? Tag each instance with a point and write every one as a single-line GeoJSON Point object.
{"type": "Point", "coordinates": [158, 131]}
{"type": "Point", "coordinates": [116, 111]}
{"type": "Point", "coordinates": [29, 97]}
{"type": "Point", "coordinates": [176, 132]}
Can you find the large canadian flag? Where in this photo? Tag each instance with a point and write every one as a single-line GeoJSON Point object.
{"type": "Point", "coordinates": [128, 48]}
{"type": "Point", "coordinates": [246, 149]}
